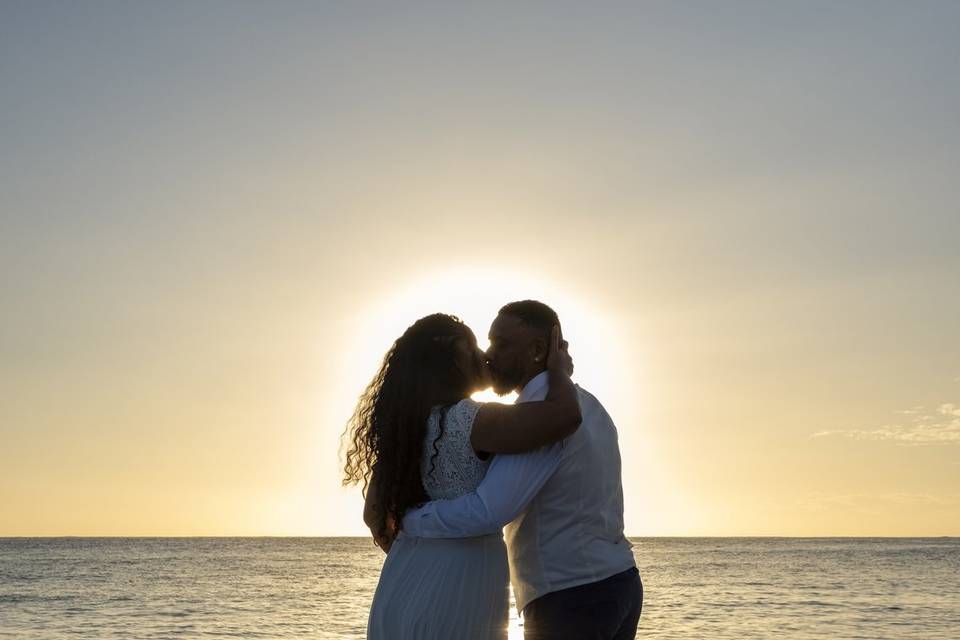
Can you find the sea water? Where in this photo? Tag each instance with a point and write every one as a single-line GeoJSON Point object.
{"type": "Point", "coordinates": [718, 588]}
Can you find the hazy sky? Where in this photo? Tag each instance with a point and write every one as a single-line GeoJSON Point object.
{"type": "Point", "coordinates": [216, 216]}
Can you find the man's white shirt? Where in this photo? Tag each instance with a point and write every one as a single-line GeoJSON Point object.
{"type": "Point", "coordinates": [562, 506]}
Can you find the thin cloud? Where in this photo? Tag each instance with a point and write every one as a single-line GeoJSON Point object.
{"type": "Point", "coordinates": [921, 427]}
{"type": "Point", "coordinates": [949, 410]}
{"type": "Point", "coordinates": [911, 412]}
{"type": "Point", "coordinates": [864, 501]}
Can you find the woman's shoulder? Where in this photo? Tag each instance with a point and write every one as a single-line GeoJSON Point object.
{"type": "Point", "coordinates": [466, 405]}
{"type": "Point", "coordinates": [465, 411]}
{"type": "Point", "coordinates": [457, 416]}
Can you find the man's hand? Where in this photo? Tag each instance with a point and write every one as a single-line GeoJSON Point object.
{"type": "Point", "coordinates": [381, 541]}
{"type": "Point", "coordinates": [385, 540]}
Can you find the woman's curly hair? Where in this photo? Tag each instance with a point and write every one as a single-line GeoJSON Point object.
{"type": "Point", "coordinates": [387, 429]}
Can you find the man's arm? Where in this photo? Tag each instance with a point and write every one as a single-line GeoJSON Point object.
{"type": "Point", "coordinates": [510, 484]}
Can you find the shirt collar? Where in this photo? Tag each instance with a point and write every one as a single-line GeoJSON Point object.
{"type": "Point", "coordinates": [536, 384]}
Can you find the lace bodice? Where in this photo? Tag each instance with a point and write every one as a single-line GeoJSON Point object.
{"type": "Point", "coordinates": [449, 468]}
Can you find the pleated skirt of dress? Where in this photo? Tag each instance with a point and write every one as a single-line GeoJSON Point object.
{"type": "Point", "coordinates": [433, 589]}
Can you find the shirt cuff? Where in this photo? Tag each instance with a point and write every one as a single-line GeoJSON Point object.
{"type": "Point", "coordinates": [412, 519]}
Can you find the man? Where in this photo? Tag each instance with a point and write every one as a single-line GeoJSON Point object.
{"type": "Point", "coordinates": [572, 569]}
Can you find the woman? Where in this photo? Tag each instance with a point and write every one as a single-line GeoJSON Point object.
{"type": "Point", "coordinates": [417, 436]}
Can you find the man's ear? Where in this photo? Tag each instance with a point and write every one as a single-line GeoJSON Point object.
{"type": "Point", "coordinates": [540, 350]}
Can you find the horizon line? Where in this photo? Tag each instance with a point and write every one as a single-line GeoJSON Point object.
{"type": "Point", "coordinates": [818, 537]}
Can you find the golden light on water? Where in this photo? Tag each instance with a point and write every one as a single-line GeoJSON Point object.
{"type": "Point", "coordinates": [514, 626]}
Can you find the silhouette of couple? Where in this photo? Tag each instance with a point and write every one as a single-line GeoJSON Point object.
{"type": "Point", "coordinates": [455, 487]}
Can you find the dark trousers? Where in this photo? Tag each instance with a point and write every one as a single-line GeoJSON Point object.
{"type": "Point", "coordinates": [605, 610]}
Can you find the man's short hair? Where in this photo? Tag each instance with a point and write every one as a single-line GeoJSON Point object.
{"type": "Point", "coordinates": [534, 314]}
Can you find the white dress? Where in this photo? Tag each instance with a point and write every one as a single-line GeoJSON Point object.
{"type": "Point", "coordinates": [444, 589]}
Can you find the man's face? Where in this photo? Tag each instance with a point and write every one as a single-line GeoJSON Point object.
{"type": "Point", "coordinates": [514, 349]}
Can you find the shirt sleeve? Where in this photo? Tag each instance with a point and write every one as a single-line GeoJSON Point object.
{"type": "Point", "coordinates": [510, 484]}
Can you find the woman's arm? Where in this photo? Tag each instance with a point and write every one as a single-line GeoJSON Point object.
{"type": "Point", "coordinates": [501, 428]}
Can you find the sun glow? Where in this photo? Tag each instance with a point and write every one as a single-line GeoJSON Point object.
{"type": "Point", "coordinates": [604, 352]}
{"type": "Point", "coordinates": [475, 295]}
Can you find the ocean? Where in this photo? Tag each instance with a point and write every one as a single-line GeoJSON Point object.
{"type": "Point", "coordinates": [717, 588]}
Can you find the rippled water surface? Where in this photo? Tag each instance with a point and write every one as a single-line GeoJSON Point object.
{"type": "Point", "coordinates": [720, 588]}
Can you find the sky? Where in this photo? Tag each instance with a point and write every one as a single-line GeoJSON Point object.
{"type": "Point", "coordinates": [215, 217]}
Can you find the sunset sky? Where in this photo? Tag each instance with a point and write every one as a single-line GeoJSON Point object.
{"type": "Point", "coordinates": [216, 216]}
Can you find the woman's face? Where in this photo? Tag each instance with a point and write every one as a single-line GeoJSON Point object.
{"type": "Point", "coordinates": [470, 360]}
